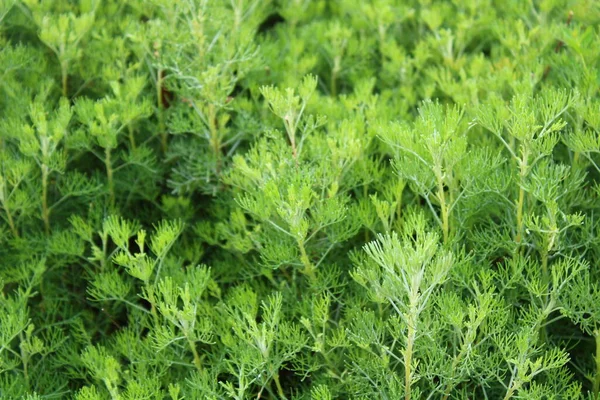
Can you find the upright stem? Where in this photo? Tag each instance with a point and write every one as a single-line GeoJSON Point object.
{"type": "Point", "coordinates": [64, 76]}
{"type": "Point", "coordinates": [152, 301]}
{"type": "Point", "coordinates": [197, 361]}
{"type": "Point", "coordinates": [543, 333]}
{"type": "Point", "coordinates": [104, 237]}
{"type": "Point", "coordinates": [278, 385]}
{"type": "Point", "coordinates": [294, 150]}
{"type": "Point", "coordinates": [381, 30]}
{"type": "Point", "coordinates": [596, 383]}
{"type": "Point", "coordinates": [334, 73]}
{"type": "Point", "coordinates": [309, 269]}
{"type": "Point", "coordinates": [45, 209]}
{"type": "Point", "coordinates": [109, 175]}
{"type": "Point", "coordinates": [25, 360]}
{"type": "Point", "coordinates": [510, 392]}
{"type": "Point", "coordinates": [160, 107]}
{"type": "Point", "coordinates": [215, 140]}
{"type": "Point", "coordinates": [514, 385]}
{"type": "Point", "coordinates": [11, 222]}
{"type": "Point", "coordinates": [521, 201]}
{"type": "Point", "coordinates": [399, 202]}
{"type": "Point", "coordinates": [443, 205]}
{"type": "Point", "coordinates": [114, 392]}
{"type": "Point", "coordinates": [466, 346]}
{"type": "Point", "coordinates": [131, 136]}
{"type": "Point", "coordinates": [408, 356]}
{"type": "Point", "coordinates": [520, 204]}
{"type": "Point", "coordinates": [445, 222]}
{"type": "Point", "coordinates": [290, 128]}
{"type": "Point", "coordinates": [545, 275]}
{"type": "Point", "coordinates": [365, 195]}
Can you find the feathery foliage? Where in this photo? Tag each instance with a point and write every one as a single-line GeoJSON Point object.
{"type": "Point", "coordinates": [299, 199]}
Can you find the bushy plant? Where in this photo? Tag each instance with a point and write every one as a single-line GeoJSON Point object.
{"type": "Point", "coordinates": [299, 199]}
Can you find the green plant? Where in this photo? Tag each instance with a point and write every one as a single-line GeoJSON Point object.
{"type": "Point", "coordinates": [299, 199]}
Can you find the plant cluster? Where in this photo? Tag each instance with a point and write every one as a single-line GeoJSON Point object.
{"type": "Point", "coordinates": [299, 199]}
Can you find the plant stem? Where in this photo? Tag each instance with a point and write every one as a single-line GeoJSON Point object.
{"type": "Point", "coordinates": [381, 31]}
{"type": "Point", "coordinates": [445, 222]}
{"type": "Point", "coordinates": [510, 392]}
{"type": "Point", "coordinates": [278, 385]}
{"type": "Point", "coordinates": [308, 267]}
{"type": "Point", "coordinates": [521, 201]}
{"type": "Point", "coordinates": [408, 352]}
{"type": "Point", "coordinates": [596, 383]}
{"type": "Point", "coordinates": [114, 393]}
{"type": "Point", "coordinates": [25, 360]}
{"type": "Point", "coordinates": [45, 209]}
{"type": "Point", "coordinates": [153, 311]}
{"type": "Point", "coordinates": [131, 136]}
{"type": "Point", "coordinates": [11, 222]}
{"type": "Point", "coordinates": [399, 202]}
{"type": "Point", "coordinates": [215, 140]}
{"type": "Point", "coordinates": [197, 361]}
{"type": "Point", "coordinates": [450, 385]}
{"type": "Point", "coordinates": [152, 301]}
{"type": "Point", "coordinates": [64, 77]}
{"type": "Point", "coordinates": [334, 73]}
{"type": "Point", "coordinates": [545, 275]}
{"type": "Point", "coordinates": [520, 204]}
{"type": "Point", "coordinates": [543, 333]}
{"type": "Point", "coordinates": [365, 195]}
{"type": "Point", "coordinates": [443, 206]}
{"type": "Point", "coordinates": [291, 131]}
{"type": "Point", "coordinates": [109, 175]}
{"type": "Point", "coordinates": [161, 118]}
{"type": "Point", "coordinates": [514, 385]}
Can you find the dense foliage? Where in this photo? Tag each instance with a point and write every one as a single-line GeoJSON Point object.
{"type": "Point", "coordinates": [299, 199]}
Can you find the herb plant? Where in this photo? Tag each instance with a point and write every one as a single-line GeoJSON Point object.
{"type": "Point", "coordinates": [299, 199]}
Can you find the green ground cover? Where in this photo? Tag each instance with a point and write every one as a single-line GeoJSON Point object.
{"type": "Point", "coordinates": [299, 199]}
